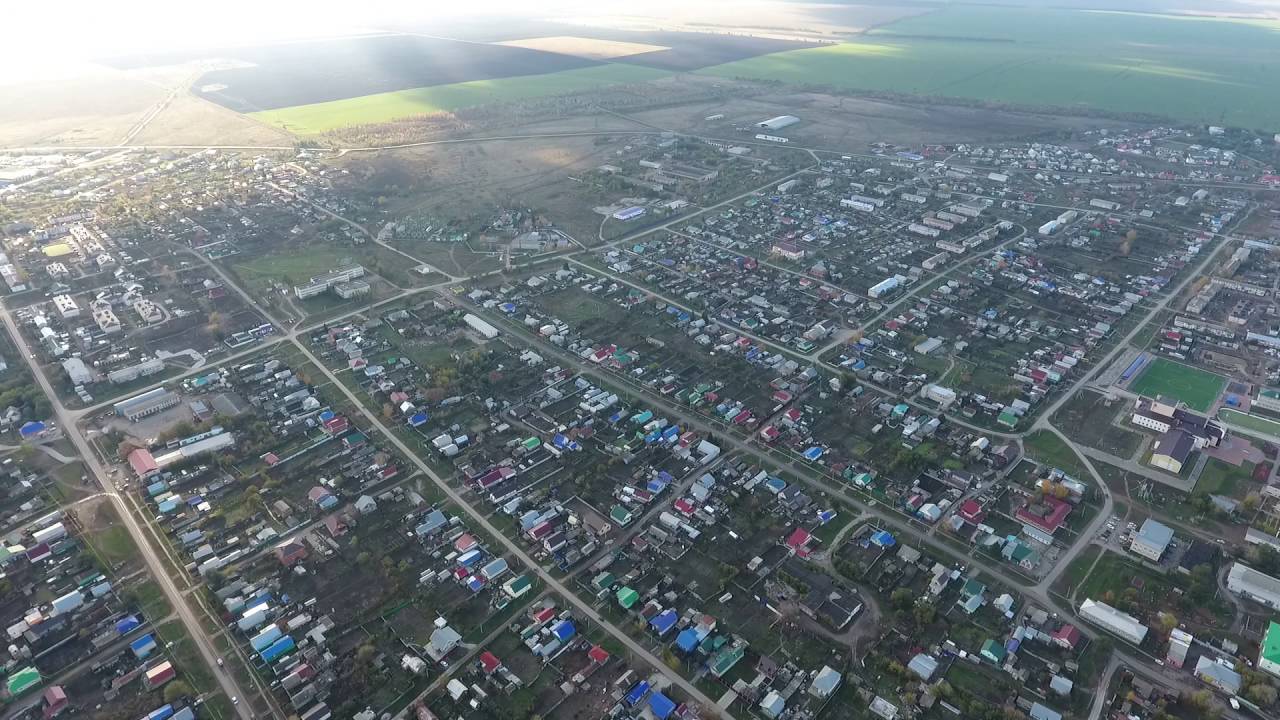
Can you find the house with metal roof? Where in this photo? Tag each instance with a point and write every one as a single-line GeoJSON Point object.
{"type": "Point", "coordinates": [1152, 540]}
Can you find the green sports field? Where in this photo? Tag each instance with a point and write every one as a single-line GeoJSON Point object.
{"type": "Point", "coordinates": [1269, 429]}
{"type": "Point", "coordinates": [385, 107]}
{"type": "Point", "coordinates": [1194, 69]}
{"type": "Point", "coordinates": [1193, 386]}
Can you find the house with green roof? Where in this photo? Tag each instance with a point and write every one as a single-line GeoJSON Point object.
{"type": "Point", "coordinates": [1269, 657]}
{"type": "Point", "coordinates": [724, 660]}
{"type": "Point", "coordinates": [22, 681]}
{"type": "Point", "coordinates": [993, 651]}
{"type": "Point", "coordinates": [620, 516]}
{"type": "Point", "coordinates": [972, 596]}
{"type": "Point", "coordinates": [627, 598]}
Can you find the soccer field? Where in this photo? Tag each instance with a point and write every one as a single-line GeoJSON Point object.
{"type": "Point", "coordinates": [385, 107]}
{"type": "Point", "coordinates": [1195, 69]}
{"type": "Point", "coordinates": [1193, 386]}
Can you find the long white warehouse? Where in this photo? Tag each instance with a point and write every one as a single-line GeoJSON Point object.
{"type": "Point", "coordinates": [1253, 585]}
{"type": "Point", "coordinates": [488, 331]}
{"type": "Point", "coordinates": [777, 123]}
{"type": "Point", "coordinates": [1114, 621]}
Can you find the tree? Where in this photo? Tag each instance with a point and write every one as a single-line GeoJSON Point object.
{"type": "Point", "coordinates": [175, 691]}
{"type": "Point", "coordinates": [923, 613]}
{"type": "Point", "coordinates": [1261, 694]}
{"type": "Point", "coordinates": [902, 599]}
{"type": "Point", "coordinates": [1202, 584]}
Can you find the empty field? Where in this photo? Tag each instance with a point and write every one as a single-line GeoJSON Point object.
{"type": "Point", "coordinates": [277, 76]}
{"type": "Point", "coordinates": [585, 47]}
{"type": "Point", "coordinates": [1193, 386]}
{"type": "Point", "coordinates": [388, 106]}
{"type": "Point", "coordinates": [1186, 68]}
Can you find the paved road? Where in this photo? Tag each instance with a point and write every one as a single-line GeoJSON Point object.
{"type": "Point", "coordinates": [203, 643]}
{"type": "Point", "coordinates": [511, 546]}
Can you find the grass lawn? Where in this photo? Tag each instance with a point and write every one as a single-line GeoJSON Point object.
{"type": "Point", "coordinates": [151, 600]}
{"type": "Point", "coordinates": [1260, 426]}
{"type": "Point", "coordinates": [1220, 478]}
{"type": "Point", "coordinates": [1075, 572]}
{"type": "Point", "coordinates": [114, 545]}
{"type": "Point", "coordinates": [1114, 573]}
{"type": "Point", "coordinates": [1194, 69]}
{"type": "Point", "coordinates": [292, 267]}
{"type": "Point", "coordinates": [1087, 419]}
{"type": "Point", "coordinates": [1049, 449]}
{"type": "Point", "coordinates": [385, 107]}
{"type": "Point", "coordinates": [1193, 386]}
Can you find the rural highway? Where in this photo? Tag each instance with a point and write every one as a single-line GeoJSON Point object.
{"type": "Point", "coordinates": [94, 467]}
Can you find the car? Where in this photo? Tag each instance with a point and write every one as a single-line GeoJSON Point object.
{"type": "Point", "coordinates": [220, 663]}
{"type": "Point", "coordinates": [235, 700]}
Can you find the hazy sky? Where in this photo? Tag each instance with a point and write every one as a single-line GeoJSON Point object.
{"type": "Point", "coordinates": [43, 37]}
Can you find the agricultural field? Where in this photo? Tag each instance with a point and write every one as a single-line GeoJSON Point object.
{"type": "Point", "coordinates": [308, 119]}
{"type": "Point", "coordinates": [1048, 57]}
{"type": "Point", "coordinates": [285, 75]}
{"type": "Point", "coordinates": [1193, 386]}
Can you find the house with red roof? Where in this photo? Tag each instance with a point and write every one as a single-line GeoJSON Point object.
{"type": "Point", "coordinates": [800, 541]}
{"type": "Point", "coordinates": [291, 552]}
{"type": "Point", "coordinates": [598, 655]}
{"type": "Point", "coordinates": [143, 463]}
{"type": "Point", "coordinates": [1066, 637]}
{"type": "Point", "coordinates": [1047, 515]}
{"type": "Point", "coordinates": [971, 511]}
{"type": "Point", "coordinates": [489, 663]}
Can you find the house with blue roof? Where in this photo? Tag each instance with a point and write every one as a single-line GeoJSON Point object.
{"type": "Point", "coordinates": [663, 622]}
{"type": "Point", "coordinates": [661, 706]}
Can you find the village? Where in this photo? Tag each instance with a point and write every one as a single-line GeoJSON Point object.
{"type": "Point", "coordinates": [969, 430]}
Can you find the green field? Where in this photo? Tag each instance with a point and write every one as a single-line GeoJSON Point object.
{"type": "Point", "coordinates": [1192, 69]}
{"type": "Point", "coordinates": [1268, 429]}
{"type": "Point", "coordinates": [385, 107]}
{"type": "Point", "coordinates": [1193, 386]}
{"type": "Point", "coordinates": [292, 267]}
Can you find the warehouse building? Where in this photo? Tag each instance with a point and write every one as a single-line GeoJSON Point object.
{"type": "Point", "coordinates": [146, 404]}
{"type": "Point", "coordinates": [1112, 620]}
{"type": "Point", "coordinates": [1253, 585]}
{"type": "Point", "coordinates": [630, 213]}
{"type": "Point", "coordinates": [777, 123]}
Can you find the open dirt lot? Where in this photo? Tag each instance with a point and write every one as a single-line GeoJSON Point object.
{"type": "Point", "coordinates": [96, 106]}
{"type": "Point", "coordinates": [191, 120]}
{"type": "Point", "coordinates": [474, 180]}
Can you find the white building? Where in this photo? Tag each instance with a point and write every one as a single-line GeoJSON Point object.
{"type": "Point", "coordinates": [884, 286]}
{"type": "Point", "coordinates": [66, 306]}
{"type": "Point", "coordinates": [148, 311]}
{"type": "Point", "coordinates": [1179, 644]}
{"type": "Point", "coordinates": [106, 318]}
{"type": "Point", "coordinates": [777, 123]}
{"type": "Point", "coordinates": [78, 372]}
{"type": "Point", "coordinates": [1112, 620]}
{"type": "Point", "coordinates": [1253, 585]}
{"type": "Point", "coordinates": [486, 330]}
{"type": "Point", "coordinates": [1152, 540]}
{"type": "Point", "coordinates": [321, 283]}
